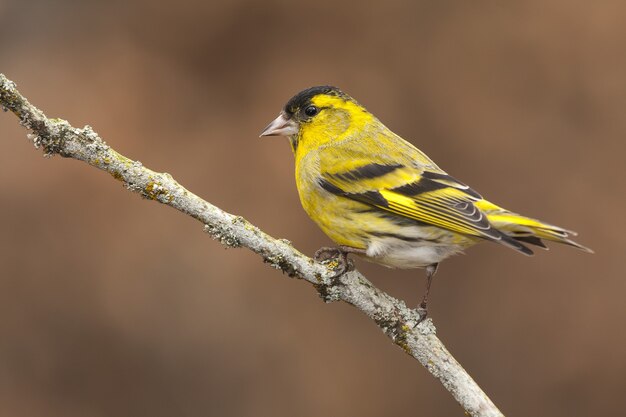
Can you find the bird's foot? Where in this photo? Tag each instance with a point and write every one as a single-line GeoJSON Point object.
{"type": "Point", "coordinates": [422, 311]}
{"type": "Point", "coordinates": [326, 253]}
{"type": "Point", "coordinates": [335, 258]}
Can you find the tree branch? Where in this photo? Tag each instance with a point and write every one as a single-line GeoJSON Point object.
{"type": "Point", "coordinates": [56, 136]}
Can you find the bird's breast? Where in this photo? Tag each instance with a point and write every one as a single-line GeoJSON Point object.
{"type": "Point", "coordinates": [337, 216]}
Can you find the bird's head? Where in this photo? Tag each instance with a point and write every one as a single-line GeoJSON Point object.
{"type": "Point", "coordinates": [316, 116]}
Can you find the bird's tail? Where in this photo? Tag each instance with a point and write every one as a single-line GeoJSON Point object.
{"type": "Point", "coordinates": [526, 230]}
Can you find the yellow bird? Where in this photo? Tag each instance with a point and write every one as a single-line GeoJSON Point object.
{"type": "Point", "coordinates": [378, 196]}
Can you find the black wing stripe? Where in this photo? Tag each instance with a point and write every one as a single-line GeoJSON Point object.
{"type": "Point", "coordinates": [367, 172]}
{"type": "Point", "coordinates": [333, 189]}
{"type": "Point", "coordinates": [398, 219]}
{"type": "Point", "coordinates": [368, 197]}
{"type": "Point", "coordinates": [438, 176]}
{"type": "Point", "coordinates": [423, 185]}
{"type": "Point", "coordinates": [451, 180]}
{"type": "Point", "coordinates": [398, 236]}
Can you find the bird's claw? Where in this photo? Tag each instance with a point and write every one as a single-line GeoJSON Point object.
{"type": "Point", "coordinates": [326, 253]}
{"type": "Point", "coordinates": [422, 312]}
{"type": "Point", "coordinates": [331, 255]}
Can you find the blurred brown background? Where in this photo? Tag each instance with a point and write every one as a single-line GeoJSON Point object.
{"type": "Point", "coordinates": [115, 306]}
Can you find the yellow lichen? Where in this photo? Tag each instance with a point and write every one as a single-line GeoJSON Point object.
{"type": "Point", "coordinates": [155, 191]}
{"type": "Point", "coordinates": [117, 175]}
{"type": "Point", "coordinates": [404, 345]}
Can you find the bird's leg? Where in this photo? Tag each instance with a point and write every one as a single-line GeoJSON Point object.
{"type": "Point", "coordinates": [325, 253]}
{"type": "Point", "coordinates": [422, 310]}
{"type": "Point", "coordinates": [340, 254]}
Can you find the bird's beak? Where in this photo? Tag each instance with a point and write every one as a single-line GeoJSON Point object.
{"type": "Point", "coordinates": [281, 126]}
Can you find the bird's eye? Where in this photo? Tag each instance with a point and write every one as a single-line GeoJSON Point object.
{"type": "Point", "coordinates": [311, 111]}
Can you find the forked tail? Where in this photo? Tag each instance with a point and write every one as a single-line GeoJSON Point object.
{"type": "Point", "coordinates": [519, 230]}
{"type": "Point", "coordinates": [527, 230]}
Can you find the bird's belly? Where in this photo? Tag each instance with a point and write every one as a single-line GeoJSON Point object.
{"type": "Point", "coordinates": [414, 256]}
{"type": "Point", "coordinates": [419, 247]}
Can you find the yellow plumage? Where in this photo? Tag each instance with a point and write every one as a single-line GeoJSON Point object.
{"type": "Point", "coordinates": [375, 194]}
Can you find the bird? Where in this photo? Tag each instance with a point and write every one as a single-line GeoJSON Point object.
{"type": "Point", "coordinates": [381, 198]}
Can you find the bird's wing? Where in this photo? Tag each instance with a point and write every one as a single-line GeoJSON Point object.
{"type": "Point", "coordinates": [425, 194]}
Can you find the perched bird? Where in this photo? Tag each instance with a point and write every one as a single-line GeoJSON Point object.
{"type": "Point", "coordinates": [378, 196]}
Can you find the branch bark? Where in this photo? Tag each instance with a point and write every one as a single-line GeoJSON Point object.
{"type": "Point", "coordinates": [395, 319]}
